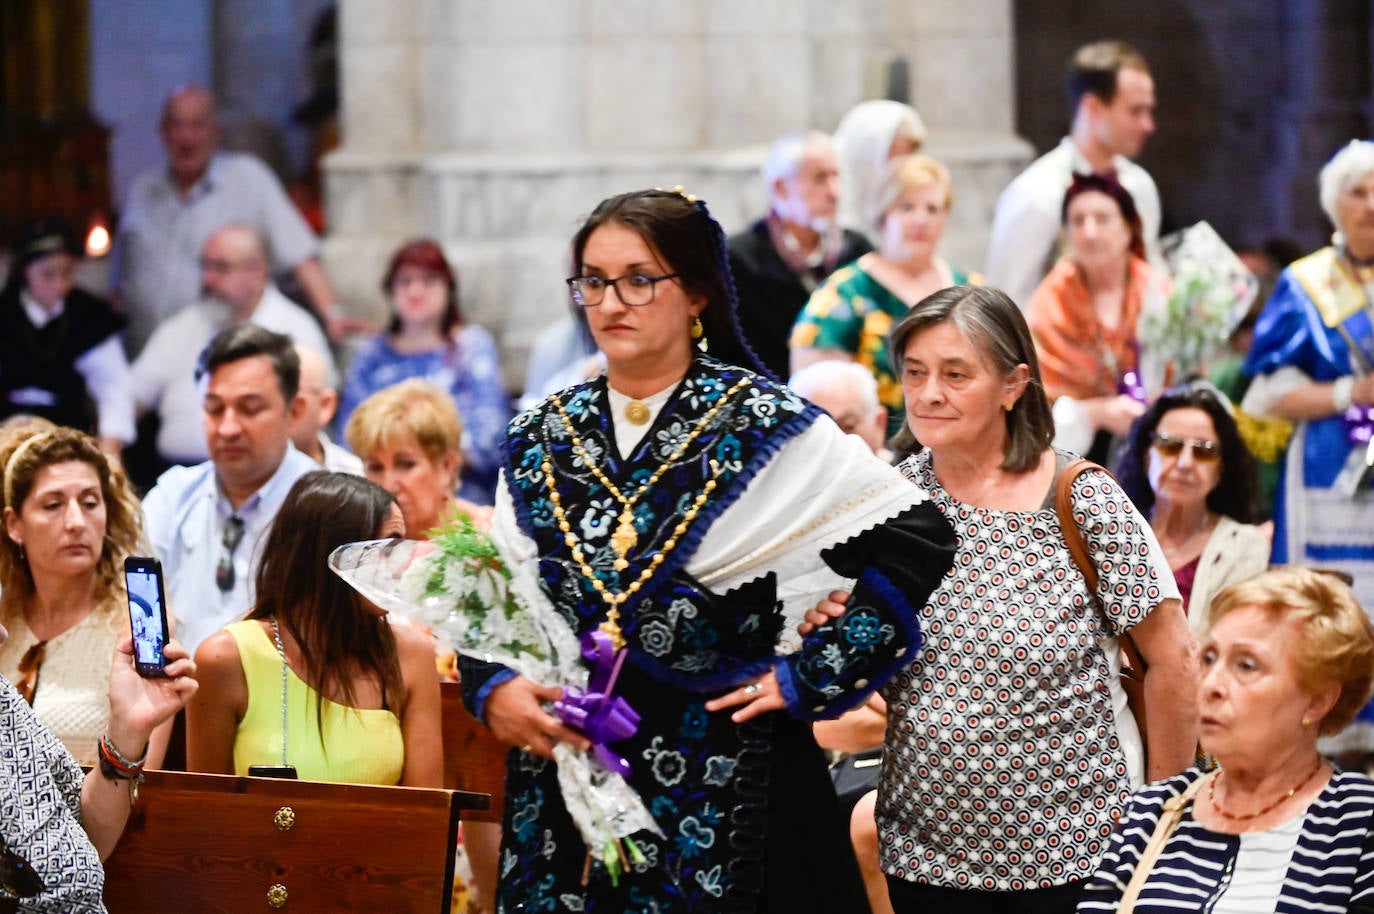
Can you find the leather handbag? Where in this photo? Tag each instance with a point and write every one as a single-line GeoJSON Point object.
{"type": "Point", "coordinates": [1132, 663]}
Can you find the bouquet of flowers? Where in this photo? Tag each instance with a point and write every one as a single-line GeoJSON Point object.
{"type": "Point", "coordinates": [1211, 291]}
{"type": "Point", "coordinates": [483, 598]}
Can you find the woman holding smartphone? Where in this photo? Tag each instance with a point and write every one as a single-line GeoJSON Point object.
{"type": "Point", "coordinates": [70, 521]}
{"type": "Point", "coordinates": [315, 681]}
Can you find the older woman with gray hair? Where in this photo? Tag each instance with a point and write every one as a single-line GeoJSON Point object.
{"type": "Point", "coordinates": [1313, 364]}
{"type": "Point", "coordinates": [1009, 745]}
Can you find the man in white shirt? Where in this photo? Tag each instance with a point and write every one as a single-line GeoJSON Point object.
{"type": "Point", "coordinates": [170, 212]}
{"type": "Point", "coordinates": [236, 290]}
{"type": "Point", "coordinates": [1113, 98]}
{"type": "Point", "coordinates": [319, 390]}
{"type": "Point", "coordinates": [207, 522]}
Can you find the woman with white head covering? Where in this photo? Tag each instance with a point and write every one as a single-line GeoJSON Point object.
{"type": "Point", "coordinates": [870, 135]}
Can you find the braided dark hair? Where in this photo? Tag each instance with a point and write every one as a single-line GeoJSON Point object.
{"type": "Point", "coordinates": [691, 243]}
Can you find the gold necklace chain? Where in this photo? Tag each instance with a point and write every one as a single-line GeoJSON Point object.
{"type": "Point", "coordinates": [613, 601]}
{"type": "Point", "coordinates": [625, 536]}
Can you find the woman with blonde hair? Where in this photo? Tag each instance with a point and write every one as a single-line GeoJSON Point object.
{"type": "Point", "coordinates": [409, 436]}
{"type": "Point", "coordinates": [70, 521]}
{"type": "Point", "coordinates": [1289, 657]}
{"type": "Point", "coordinates": [849, 316]}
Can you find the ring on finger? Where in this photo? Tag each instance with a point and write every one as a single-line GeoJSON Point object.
{"type": "Point", "coordinates": [753, 688]}
{"type": "Point", "coordinates": [527, 748]}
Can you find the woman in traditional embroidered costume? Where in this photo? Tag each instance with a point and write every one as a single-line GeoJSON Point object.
{"type": "Point", "coordinates": [1313, 363]}
{"type": "Point", "coordinates": [692, 510]}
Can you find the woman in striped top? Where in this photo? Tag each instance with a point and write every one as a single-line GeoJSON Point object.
{"type": "Point", "coordinates": [1289, 657]}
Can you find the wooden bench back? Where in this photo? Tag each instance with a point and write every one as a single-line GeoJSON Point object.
{"type": "Point", "coordinates": [216, 843]}
{"type": "Point", "coordinates": [474, 760]}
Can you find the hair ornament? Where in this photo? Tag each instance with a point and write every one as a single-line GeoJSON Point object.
{"type": "Point", "coordinates": [682, 192]}
{"type": "Point", "coordinates": [10, 464]}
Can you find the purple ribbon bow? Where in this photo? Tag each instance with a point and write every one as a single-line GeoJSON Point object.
{"type": "Point", "coordinates": [595, 712]}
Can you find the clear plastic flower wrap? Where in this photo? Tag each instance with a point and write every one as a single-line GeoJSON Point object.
{"type": "Point", "coordinates": [1210, 293]}
{"type": "Point", "coordinates": [484, 600]}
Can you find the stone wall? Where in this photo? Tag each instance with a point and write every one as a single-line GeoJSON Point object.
{"type": "Point", "coordinates": [495, 127]}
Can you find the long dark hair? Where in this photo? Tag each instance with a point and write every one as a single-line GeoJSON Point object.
{"type": "Point", "coordinates": [1236, 494]}
{"type": "Point", "coordinates": [690, 243]}
{"type": "Point", "coordinates": [332, 628]}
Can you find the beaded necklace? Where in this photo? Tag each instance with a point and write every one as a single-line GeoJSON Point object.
{"type": "Point", "coordinates": [625, 536]}
{"type": "Point", "coordinates": [1212, 796]}
{"type": "Point", "coordinates": [622, 540]}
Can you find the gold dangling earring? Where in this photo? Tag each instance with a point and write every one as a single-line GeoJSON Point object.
{"type": "Point", "coordinates": [698, 331]}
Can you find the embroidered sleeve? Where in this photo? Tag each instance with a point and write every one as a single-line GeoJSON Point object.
{"type": "Point", "coordinates": [897, 565]}
{"type": "Point", "coordinates": [477, 679]}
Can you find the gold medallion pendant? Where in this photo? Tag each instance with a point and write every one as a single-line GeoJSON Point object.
{"type": "Point", "coordinates": [624, 538]}
{"type": "Point", "coordinates": [636, 412]}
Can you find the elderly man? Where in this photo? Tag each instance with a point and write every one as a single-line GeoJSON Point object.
{"type": "Point", "coordinates": [236, 290]}
{"type": "Point", "coordinates": [206, 522]}
{"type": "Point", "coordinates": [319, 391]}
{"type": "Point", "coordinates": [1113, 99]}
{"type": "Point", "coordinates": [849, 393]}
{"type": "Point", "coordinates": [171, 212]}
{"type": "Point", "coordinates": [781, 259]}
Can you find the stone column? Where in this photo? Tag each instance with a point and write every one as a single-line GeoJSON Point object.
{"type": "Point", "coordinates": [495, 127]}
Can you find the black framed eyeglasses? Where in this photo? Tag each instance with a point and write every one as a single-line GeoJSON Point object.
{"type": "Point", "coordinates": [233, 535]}
{"type": "Point", "coordinates": [633, 290]}
{"type": "Point", "coordinates": [1203, 451]}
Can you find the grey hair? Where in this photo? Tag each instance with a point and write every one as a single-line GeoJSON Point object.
{"type": "Point", "coordinates": [786, 154]}
{"type": "Point", "coordinates": [995, 326]}
{"type": "Point", "coordinates": [1347, 167]}
{"type": "Point", "coordinates": [852, 375]}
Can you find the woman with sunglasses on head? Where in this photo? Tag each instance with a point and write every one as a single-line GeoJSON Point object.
{"type": "Point", "coordinates": [70, 521]}
{"type": "Point", "coordinates": [1187, 469]}
{"type": "Point", "coordinates": [682, 512]}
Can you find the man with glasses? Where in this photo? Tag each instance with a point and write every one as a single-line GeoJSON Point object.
{"type": "Point", "coordinates": [236, 288]}
{"type": "Point", "coordinates": [205, 522]}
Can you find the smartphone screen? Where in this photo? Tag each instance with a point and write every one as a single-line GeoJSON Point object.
{"type": "Point", "coordinates": [147, 614]}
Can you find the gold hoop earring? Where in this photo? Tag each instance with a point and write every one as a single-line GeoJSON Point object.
{"type": "Point", "coordinates": [698, 331]}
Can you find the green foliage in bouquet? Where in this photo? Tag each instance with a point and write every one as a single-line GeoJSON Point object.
{"type": "Point", "coordinates": [467, 571]}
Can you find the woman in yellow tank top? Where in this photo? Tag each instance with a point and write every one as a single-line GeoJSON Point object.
{"type": "Point", "coordinates": [315, 677]}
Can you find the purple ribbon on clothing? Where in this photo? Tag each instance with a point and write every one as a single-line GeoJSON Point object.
{"type": "Point", "coordinates": [1130, 385]}
{"type": "Point", "coordinates": [595, 712]}
{"type": "Point", "coordinates": [1359, 425]}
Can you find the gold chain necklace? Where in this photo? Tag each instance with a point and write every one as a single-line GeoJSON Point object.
{"type": "Point", "coordinates": [613, 601]}
{"type": "Point", "coordinates": [625, 536]}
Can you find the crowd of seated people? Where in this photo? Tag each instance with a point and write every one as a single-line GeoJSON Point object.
{"type": "Point", "coordinates": [256, 454]}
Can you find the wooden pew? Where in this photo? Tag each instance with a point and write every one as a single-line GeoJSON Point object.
{"type": "Point", "coordinates": [474, 760]}
{"type": "Point", "coordinates": [220, 844]}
